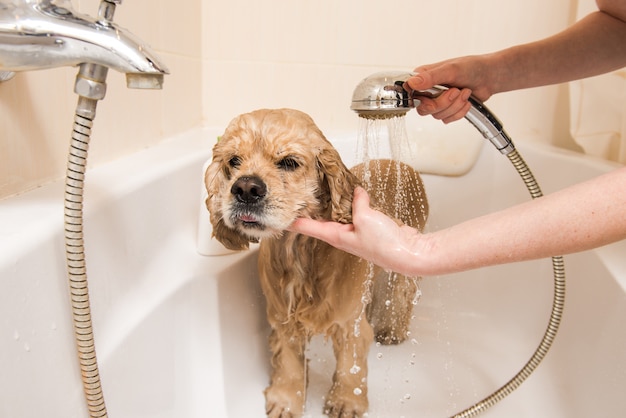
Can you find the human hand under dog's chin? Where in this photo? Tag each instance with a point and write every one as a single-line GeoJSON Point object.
{"type": "Point", "coordinates": [372, 235]}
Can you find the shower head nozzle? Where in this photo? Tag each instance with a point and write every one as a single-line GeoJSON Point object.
{"type": "Point", "coordinates": [381, 114]}
{"type": "Point", "coordinates": [382, 95]}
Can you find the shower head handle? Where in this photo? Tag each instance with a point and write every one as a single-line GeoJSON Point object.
{"type": "Point", "coordinates": [479, 116]}
{"type": "Point", "coordinates": [489, 126]}
{"type": "Point", "coordinates": [383, 95]}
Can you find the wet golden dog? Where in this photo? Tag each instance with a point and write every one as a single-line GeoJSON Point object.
{"type": "Point", "coordinates": [270, 167]}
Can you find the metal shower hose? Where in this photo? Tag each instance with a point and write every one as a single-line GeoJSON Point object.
{"type": "Point", "coordinates": [75, 255]}
{"type": "Point", "coordinates": [555, 316]}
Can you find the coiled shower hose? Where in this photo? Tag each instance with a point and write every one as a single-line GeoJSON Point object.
{"type": "Point", "coordinates": [90, 87]}
{"type": "Point", "coordinates": [74, 243]}
{"type": "Point", "coordinates": [555, 316]}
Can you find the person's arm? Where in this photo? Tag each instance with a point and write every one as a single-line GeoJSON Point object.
{"type": "Point", "coordinates": [581, 217]}
{"type": "Point", "coordinates": [594, 45]}
{"type": "Point", "coordinates": [578, 218]}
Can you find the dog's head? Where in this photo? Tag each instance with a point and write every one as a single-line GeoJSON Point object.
{"type": "Point", "coordinates": [269, 168]}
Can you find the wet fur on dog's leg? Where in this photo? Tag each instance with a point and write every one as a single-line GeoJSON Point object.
{"type": "Point", "coordinates": [285, 397]}
{"type": "Point", "coordinates": [391, 309]}
{"type": "Point", "coordinates": [348, 394]}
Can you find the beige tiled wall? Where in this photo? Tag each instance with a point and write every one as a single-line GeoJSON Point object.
{"type": "Point", "coordinates": [228, 57]}
{"type": "Point", "coordinates": [311, 54]}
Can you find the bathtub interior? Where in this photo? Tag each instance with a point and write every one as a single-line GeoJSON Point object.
{"type": "Point", "coordinates": [179, 334]}
{"type": "Point", "coordinates": [473, 331]}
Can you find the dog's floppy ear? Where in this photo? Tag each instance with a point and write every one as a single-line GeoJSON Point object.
{"type": "Point", "coordinates": [337, 184]}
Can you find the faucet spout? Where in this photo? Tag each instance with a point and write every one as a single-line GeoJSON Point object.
{"type": "Point", "coordinates": [49, 33]}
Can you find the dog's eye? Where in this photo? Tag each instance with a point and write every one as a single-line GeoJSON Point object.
{"type": "Point", "coordinates": [234, 162]}
{"type": "Point", "coordinates": [288, 164]}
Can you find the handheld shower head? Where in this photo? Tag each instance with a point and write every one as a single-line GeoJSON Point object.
{"type": "Point", "coordinates": [382, 96]}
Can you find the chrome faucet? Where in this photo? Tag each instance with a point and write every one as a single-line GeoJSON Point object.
{"type": "Point", "coordinates": [39, 34]}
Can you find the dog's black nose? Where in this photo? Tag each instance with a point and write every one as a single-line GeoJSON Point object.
{"type": "Point", "coordinates": [249, 189]}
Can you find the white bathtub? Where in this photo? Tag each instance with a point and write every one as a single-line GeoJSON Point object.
{"type": "Point", "coordinates": [182, 335]}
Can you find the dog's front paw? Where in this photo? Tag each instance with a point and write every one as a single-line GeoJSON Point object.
{"type": "Point", "coordinates": [348, 406]}
{"type": "Point", "coordinates": [282, 403]}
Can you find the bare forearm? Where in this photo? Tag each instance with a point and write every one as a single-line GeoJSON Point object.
{"type": "Point", "coordinates": [578, 218]}
{"type": "Point", "coordinates": [594, 45]}
{"type": "Point", "coordinates": [575, 219]}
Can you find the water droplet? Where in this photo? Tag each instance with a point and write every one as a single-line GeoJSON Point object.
{"type": "Point", "coordinates": [355, 369]}
{"type": "Point", "coordinates": [357, 391]}
{"type": "Point", "coordinates": [379, 355]}
{"type": "Point", "coordinates": [387, 303]}
{"type": "Point", "coordinates": [407, 396]}
{"type": "Point", "coordinates": [27, 347]}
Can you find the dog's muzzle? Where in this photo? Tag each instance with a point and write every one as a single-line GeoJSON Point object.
{"type": "Point", "coordinates": [249, 193]}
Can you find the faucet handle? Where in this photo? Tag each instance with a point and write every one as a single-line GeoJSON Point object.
{"type": "Point", "coordinates": [106, 11]}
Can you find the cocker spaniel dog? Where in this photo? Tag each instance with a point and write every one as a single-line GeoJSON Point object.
{"type": "Point", "coordinates": [269, 168]}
